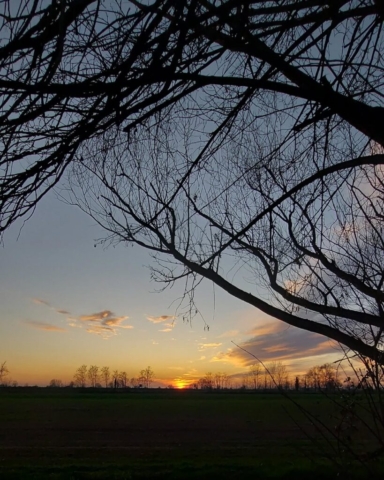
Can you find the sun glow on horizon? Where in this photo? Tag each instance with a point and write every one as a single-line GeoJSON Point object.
{"type": "Point", "coordinates": [180, 384]}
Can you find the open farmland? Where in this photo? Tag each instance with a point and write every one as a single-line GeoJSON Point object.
{"type": "Point", "coordinates": [165, 434]}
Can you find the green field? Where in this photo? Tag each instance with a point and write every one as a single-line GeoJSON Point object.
{"type": "Point", "coordinates": [74, 434]}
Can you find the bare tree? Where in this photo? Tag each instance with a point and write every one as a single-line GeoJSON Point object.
{"type": "Point", "coordinates": [226, 381]}
{"type": "Point", "coordinates": [220, 380]}
{"type": "Point", "coordinates": [105, 375]}
{"type": "Point", "coordinates": [55, 383]}
{"type": "Point", "coordinates": [93, 375]}
{"type": "Point", "coordinates": [257, 143]}
{"type": "Point", "coordinates": [123, 379]}
{"type": "Point", "coordinates": [115, 379]}
{"type": "Point", "coordinates": [206, 382]}
{"type": "Point", "coordinates": [322, 377]}
{"type": "Point", "coordinates": [80, 376]}
{"type": "Point", "coordinates": [297, 383]}
{"type": "Point", "coordinates": [3, 372]}
{"type": "Point", "coordinates": [134, 382]}
{"type": "Point", "coordinates": [276, 169]}
{"type": "Point", "coordinates": [255, 375]}
{"type": "Point", "coordinates": [281, 375]}
{"type": "Point", "coordinates": [270, 373]}
{"type": "Point", "coordinates": [146, 377]}
{"type": "Point", "coordinates": [69, 71]}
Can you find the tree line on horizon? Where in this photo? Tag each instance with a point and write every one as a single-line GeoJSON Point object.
{"type": "Point", "coordinates": [273, 376]}
{"type": "Point", "coordinates": [97, 377]}
{"type": "Point", "coordinates": [260, 376]}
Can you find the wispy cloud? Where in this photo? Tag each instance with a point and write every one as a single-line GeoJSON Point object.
{"type": "Point", "coordinates": [39, 301]}
{"type": "Point", "coordinates": [72, 323]}
{"type": "Point", "coordinates": [44, 326]}
{"type": "Point", "coordinates": [96, 317]}
{"type": "Point", "coordinates": [115, 321]}
{"type": "Point", "coordinates": [276, 341]}
{"type": "Point", "coordinates": [102, 330]}
{"type": "Point", "coordinates": [192, 373]}
{"type": "Point", "coordinates": [204, 346]}
{"type": "Point", "coordinates": [229, 334]}
{"type": "Point", "coordinates": [161, 318]}
{"type": "Point", "coordinates": [104, 323]}
{"type": "Point", "coordinates": [166, 330]}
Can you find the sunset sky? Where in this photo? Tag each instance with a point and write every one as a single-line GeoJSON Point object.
{"type": "Point", "coordinates": [64, 303]}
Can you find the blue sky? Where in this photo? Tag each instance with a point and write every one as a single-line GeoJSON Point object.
{"type": "Point", "coordinates": [64, 303]}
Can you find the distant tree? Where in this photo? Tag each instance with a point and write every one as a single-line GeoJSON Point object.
{"type": "Point", "coordinates": [275, 375]}
{"type": "Point", "coordinates": [225, 380]}
{"type": "Point", "coordinates": [134, 382]}
{"type": "Point", "coordinates": [105, 375]}
{"type": "Point", "coordinates": [206, 382]}
{"type": "Point", "coordinates": [115, 379]}
{"type": "Point", "coordinates": [297, 384]}
{"type": "Point", "coordinates": [123, 379]}
{"type": "Point", "coordinates": [322, 377]}
{"type": "Point", "coordinates": [220, 380]}
{"type": "Point", "coordinates": [3, 372]}
{"type": "Point", "coordinates": [55, 383]}
{"type": "Point", "coordinates": [255, 374]}
{"type": "Point", "coordinates": [329, 377]}
{"type": "Point", "coordinates": [93, 375]}
{"type": "Point", "coordinates": [245, 381]}
{"type": "Point", "coordinates": [80, 376]}
{"type": "Point", "coordinates": [270, 374]}
{"type": "Point", "coordinates": [281, 375]}
{"type": "Point", "coordinates": [146, 377]}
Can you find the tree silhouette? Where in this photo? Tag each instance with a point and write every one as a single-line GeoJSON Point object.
{"type": "Point", "coordinates": [123, 379]}
{"type": "Point", "coordinates": [80, 376]}
{"type": "Point", "coordinates": [105, 375]}
{"type": "Point", "coordinates": [275, 169]}
{"type": "Point", "coordinates": [255, 375]}
{"type": "Point", "coordinates": [3, 371]}
{"type": "Point", "coordinates": [146, 377]}
{"type": "Point", "coordinates": [115, 379]}
{"type": "Point", "coordinates": [93, 375]}
{"type": "Point", "coordinates": [322, 377]}
{"type": "Point", "coordinates": [55, 383]}
{"type": "Point", "coordinates": [216, 134]}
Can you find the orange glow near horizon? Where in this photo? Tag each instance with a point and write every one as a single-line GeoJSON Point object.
{"type": "Point", "coordinates": [180, 384]}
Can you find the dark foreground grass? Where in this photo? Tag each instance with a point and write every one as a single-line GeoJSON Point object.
{"type": "Point", "coordinates": [70, 434]}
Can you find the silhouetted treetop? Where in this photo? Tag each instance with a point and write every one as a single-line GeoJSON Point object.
{"type": "Point", "coordinates": [76, 70]}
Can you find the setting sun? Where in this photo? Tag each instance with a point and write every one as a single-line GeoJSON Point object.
{"type": "Point", "coordinates": [180, 384]}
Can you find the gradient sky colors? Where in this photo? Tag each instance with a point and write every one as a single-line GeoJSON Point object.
{"type": "Point", "coordinates": [64, 303]}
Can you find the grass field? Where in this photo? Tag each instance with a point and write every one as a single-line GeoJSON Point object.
{"type": "Point", "coordinates": [74, 434]}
